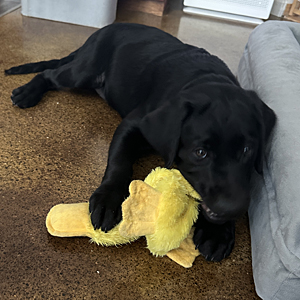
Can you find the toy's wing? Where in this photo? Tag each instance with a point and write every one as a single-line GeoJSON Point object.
{"type": "Point", "coordinates": [140, 210]}
{"type": "Point", "coordinates": [186, 253]}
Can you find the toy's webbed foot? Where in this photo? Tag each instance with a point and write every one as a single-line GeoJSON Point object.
{"type": "Point", "coordinates": [64, 220]}
{"type": "Point", "coordinates": [186, 254]}
{"type": "Point", "coordinates": [70, 220]}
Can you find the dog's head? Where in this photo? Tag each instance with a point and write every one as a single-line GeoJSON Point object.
{"type": "Point", "coordinates": [217, 138]}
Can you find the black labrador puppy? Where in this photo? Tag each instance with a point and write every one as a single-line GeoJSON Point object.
{"type": "Point", "coordinates": [177, 100]}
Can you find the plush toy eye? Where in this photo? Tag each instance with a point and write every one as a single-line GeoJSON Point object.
{"type": "Point", "coordinates": [201, 153]}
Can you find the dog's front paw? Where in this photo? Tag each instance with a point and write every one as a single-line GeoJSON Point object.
{"type": "Point", "coordinates": [105, 208]}
{"type": "Point", "coordinates": [30, 94]}
{"type": "Point", "coordinates": [214, 241]}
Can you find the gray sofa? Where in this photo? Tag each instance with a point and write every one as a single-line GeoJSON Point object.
{"type": "Point", "coordinates": [271, 66]}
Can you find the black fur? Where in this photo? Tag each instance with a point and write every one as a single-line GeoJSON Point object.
{"type": "Point", "coordinates": [177, 100]}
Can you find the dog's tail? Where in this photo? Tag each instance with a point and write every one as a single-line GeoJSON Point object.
{"type": "Point", "coordinates": [40, 66]}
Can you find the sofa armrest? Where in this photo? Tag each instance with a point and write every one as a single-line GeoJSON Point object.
{"type": "Point", "coordinates": [271, 66]}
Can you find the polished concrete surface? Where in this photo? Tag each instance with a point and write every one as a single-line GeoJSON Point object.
{"type": "Point", "coordinates": [56, 152]}
{"type": "Point", "coordinates": [6, 6]}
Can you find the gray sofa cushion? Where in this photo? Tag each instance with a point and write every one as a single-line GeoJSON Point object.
{"type": "Point", "coordinates": [271, 66]}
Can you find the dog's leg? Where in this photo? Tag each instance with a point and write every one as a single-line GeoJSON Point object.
{"type": "Point", "coordinates": [127, 145]}
{"type": "Point", "coordinates": [214, 241]}
{"type": "Point", "coordinates": [81, 69]}
{"type": "Point", "coordinates": [30, 94]}
{"type": "Point", "coordinates": [70, 75]}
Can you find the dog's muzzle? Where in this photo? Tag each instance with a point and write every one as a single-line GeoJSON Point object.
{"type": "Point", "coordinates": [212, 216]}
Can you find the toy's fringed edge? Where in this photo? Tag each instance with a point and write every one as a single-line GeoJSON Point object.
{"type": "Point", "coordinates": [111, 238]}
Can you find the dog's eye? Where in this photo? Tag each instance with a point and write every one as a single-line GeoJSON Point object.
{"type": "Point", "coordinates": [201, 153]}
{"type": "Point", "coordinates": [247, 151]}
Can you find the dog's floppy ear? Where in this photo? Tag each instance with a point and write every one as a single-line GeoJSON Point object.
{"type": "Point", "coordinates": [162, 128]}
{"type": "Point", "coordinates": [267, 124]}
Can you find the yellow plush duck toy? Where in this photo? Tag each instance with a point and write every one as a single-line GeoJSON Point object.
{"type": "Point", "coordinates": [163, 208]}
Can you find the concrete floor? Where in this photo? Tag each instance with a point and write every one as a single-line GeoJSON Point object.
{"type": "Point", "coordinates": [6, 6]}
{"type": "Point", "coordinates": [56, 152]}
